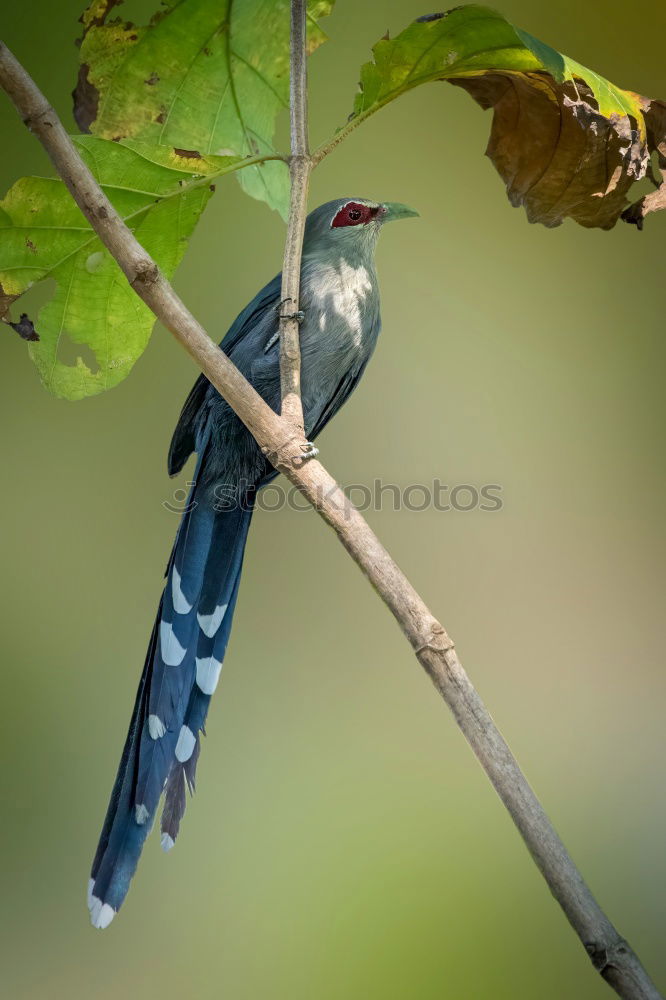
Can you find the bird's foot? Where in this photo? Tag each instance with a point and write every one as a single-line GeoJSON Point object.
{"type": "Point", "coordinates": [310, 450]}
{"type": "Point", "coordinates": [299, 315]}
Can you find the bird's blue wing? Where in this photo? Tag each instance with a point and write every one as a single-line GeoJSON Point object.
{"type": "Point", "coordinates": [248, 318]}
{"type": "Point", "coordinates": [345, 387]}
{"type": "Point", "coordinates": [183, 442]}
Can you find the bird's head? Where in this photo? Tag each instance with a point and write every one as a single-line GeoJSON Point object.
{"type": "Point", "coordinates": [351, 226]}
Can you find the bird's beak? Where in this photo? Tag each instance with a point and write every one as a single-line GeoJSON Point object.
{"type": "Point", "coordinates": [390, 211]}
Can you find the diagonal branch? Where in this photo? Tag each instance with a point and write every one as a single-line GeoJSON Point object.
{"type": "Point", "coordinates": [282, 442]}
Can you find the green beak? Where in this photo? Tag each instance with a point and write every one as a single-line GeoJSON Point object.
{"type": "Point", "coordinates": [393, 210]}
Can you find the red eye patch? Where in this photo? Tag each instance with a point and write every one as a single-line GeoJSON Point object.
{"type": "Point", "coordinates": [353, 214]}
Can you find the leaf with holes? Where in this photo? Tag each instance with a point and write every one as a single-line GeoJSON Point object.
{"type": "Point", "coordinates": [160, 194]}
{"type": "Point", "coordinates": [209, 75]}
{"type": "Point", "coordinates": [566, 142]}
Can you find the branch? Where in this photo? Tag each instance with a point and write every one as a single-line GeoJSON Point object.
{"type": "Point", "coordinates": [610, 954]}
{"type": "Point", "coordinates": [299, 172]}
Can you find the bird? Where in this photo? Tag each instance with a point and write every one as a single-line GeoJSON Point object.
{"type": "Point", "coordinates": [339, 323]}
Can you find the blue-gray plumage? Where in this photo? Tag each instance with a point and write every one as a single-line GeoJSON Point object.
{"type": "Point", "coordinates": [340, 302]}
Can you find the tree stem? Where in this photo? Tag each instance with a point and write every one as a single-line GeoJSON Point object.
{"type": "Point", "coordinates": [282, 442]}
{"type": "Point", "coordinates": [299, 172]}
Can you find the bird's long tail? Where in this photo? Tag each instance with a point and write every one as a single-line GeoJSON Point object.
{"type": "Point", "coordinates": [181, 671]}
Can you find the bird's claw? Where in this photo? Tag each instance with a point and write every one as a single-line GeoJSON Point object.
{"type": "Point", "coordinates": [310, 450]}
{"type": "Point", "coordinates": [299, 315]}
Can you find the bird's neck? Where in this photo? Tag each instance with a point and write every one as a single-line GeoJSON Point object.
{"type": "Point", "coordinates": [328, 273]}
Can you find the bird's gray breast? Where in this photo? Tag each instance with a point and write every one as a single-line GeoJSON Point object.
{"type": "Point", "coordinates": [340, 300]}
{"type": "Point", "coordinates": [341, 305]}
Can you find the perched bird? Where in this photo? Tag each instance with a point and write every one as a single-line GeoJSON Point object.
{"type": "Point", "coordinates": [340, 323]}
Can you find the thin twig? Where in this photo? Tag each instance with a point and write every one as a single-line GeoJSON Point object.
{"type": "Point", "coordinates": [342, 133]}
{"type": "Point", "coordinates": [299, 171]}
{"type": "Point", "coordinates": [610, 954]}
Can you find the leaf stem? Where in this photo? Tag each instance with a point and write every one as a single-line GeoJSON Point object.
{"type": "Point", "coordinates": [206, 179]}
{"type": "Point", "coordinates": [340, 136]}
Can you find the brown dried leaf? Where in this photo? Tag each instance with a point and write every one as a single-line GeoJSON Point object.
{"type": "Point", "coordinates": [558, 156]}
{"type": "Point", "coordinates": [654, 113]}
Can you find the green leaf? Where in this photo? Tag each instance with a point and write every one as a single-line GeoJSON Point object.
{"type": "Point", "coordinates": [582, 142]}
{"type": "Point", "coordinates": [470, 41]}
{"type": "Point", "coordinates": [43, 234]}
{"type": "Point", "coordinates": [206, 75]}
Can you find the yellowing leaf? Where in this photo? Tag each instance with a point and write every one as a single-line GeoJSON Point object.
{"type": "Point", "coordinates": [566, 142]}
{"type": "Point", "coordinates": [43, 234]}
{"type": "Point", "coordinates": [206, 75]}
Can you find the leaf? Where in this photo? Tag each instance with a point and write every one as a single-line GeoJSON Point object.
{"type": "Point", "coordinates": [43, 234]}
{"type": "Point", "coordinates": [207, 75]}
{"type": "Point", "coordinates": [5, 304]}
{"type": "Point", "coordinates": [655, 118]}
{"type": "Point", "coordinates": [566, 142]}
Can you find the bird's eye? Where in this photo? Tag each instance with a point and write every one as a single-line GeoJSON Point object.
{"type": "Point", "coordinates": [354, 213]}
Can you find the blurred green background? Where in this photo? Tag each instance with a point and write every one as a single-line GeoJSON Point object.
{"type": "Point", "coordinates": [343, 842]}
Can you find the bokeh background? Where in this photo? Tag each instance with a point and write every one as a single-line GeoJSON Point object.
{"type": "Point", "coordinates": [343, 842]}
